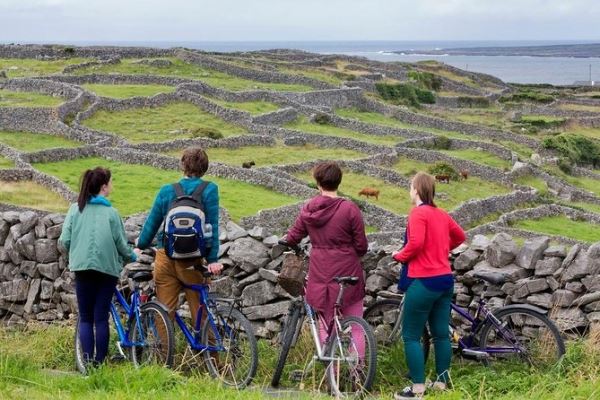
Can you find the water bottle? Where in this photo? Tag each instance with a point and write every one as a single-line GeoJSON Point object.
{"type": "Point", "coordinates": [208, 233]}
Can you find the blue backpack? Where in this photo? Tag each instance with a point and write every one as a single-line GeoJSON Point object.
{"type": "Point", "coordinates": [186, 232]}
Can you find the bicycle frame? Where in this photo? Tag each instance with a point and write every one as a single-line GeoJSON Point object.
{"type": "Point", "coordinates": [312, 319]}
{"type": "Point", "coordinates": [133, 314]}
{"type": "Point", "coordinates": [192, 336]}
{"type": "Point", "coordinates": [467, 342]}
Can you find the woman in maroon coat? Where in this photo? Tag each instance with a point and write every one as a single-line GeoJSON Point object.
{"type": "Point", "coordinates": [337, 234]}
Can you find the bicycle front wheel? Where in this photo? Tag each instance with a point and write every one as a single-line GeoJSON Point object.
{"type": "Point", "coordinates": [154, 331]}
{"type": "Point", "coordinates": [236, 363]}
{"type": "Point", "coordinates": [354, 353]}
{"type": "Point", "coordinates": [522, 335]}
{"type": "Point", "coordinates": [384, 316]}
{"type": "Point", "coordinates": [285, 340]}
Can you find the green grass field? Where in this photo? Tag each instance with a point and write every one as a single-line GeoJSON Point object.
{"type": "Point", "coordinates": [28, 99]}
{"type": "Point", "coordinates": [6, 163]}
{"type": "Point", "coordinates": [37, 363]}
{"type": "Point", "coordinates": [126, 91]}
{"type": "Point", "coordinates": [380, 119]}
{"type": "Point", "coordinates": [393, 198]}
{"type": "Point", "coordinates": [302, 124]}
{"type": "Point", "coordinates": [19, 67]}
{"type": "Point", "coordinates": [562, 226]}
{"type": "Point", "coordinates": [135, 186]}
{"type": "Point", "coordinates": [253, 107]}
{"type": "Point", "coordinates": [480, 157]}
{"type": "Point", "coordinates": [30, 194]}
{"type": "Point", "coordinates": [28, 142]}
{"type": "Point", "coordinates": [159, 124]}
{"type": "Point", "coordinates": [532, 181]}
{"type": "Point", "coordinates": [582, 182]}
{"type": "Point", "coordinates": [450, 196]}
{"type": "Point", "coordinates": [182, 69]}
{"type": "Point", "coordinates": [276, 155]}
{"type": "Point", "coordinates": [313, 73]}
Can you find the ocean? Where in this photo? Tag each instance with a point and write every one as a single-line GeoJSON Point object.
{"type": "Point", "coordinates": [554, 70]}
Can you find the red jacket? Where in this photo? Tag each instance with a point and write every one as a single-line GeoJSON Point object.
{"type": "Point", "coordinates": [432, 234]}
{"type": "Point", "coordinates": [337, 234]}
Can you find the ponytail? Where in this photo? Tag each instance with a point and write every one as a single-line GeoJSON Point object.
{"type": "Point", "coordinates": [91, 183]}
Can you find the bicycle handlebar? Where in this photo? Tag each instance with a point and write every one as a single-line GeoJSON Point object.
{"type": "Point", "coordinates": [203, 270]}
{"type": "Point", "coordinates": [293, 247]}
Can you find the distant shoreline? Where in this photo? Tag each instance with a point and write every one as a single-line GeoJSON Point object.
{"type": "Point", "coordinates": [566, 50]}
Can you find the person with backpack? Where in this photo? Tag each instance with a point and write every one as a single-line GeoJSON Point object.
{"type": "Point", "coordinates": [94, 236]}
{"type": "Point", "coordinates": [188, 212]}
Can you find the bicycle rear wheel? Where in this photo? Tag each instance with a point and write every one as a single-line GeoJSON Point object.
{"type": "Point", "coordinates": [384, 316]}
{"type": "Point", "coordinates": [155, 330]}
{"type": "Point", "coordinates": [523, 335]}
{"type": "Point", "coordinates": [285, 340]}
{"type": "Point", "coordinates": [352, 373]}
{"type": "Point", "coordinates": [235, 365]}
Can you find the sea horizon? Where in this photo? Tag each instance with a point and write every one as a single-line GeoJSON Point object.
{"type": "Point", "coordinates": [517, 69]}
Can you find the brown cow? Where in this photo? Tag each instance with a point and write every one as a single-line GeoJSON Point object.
{"type": "Point", "coordinates": [465, 174]}
{"type": "Point", "coordinates": [442, 178]}
{"type": "Point", "coordinates": [368, 192]}
{"type": "Point", "coordinates": [248, 164]}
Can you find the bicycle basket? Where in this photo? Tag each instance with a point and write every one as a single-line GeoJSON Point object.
{"type": "Point", "coordinates": [292, 275]}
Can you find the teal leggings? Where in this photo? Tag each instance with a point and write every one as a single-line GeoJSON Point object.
{"type": "Point", "coordinates": [422, 305]}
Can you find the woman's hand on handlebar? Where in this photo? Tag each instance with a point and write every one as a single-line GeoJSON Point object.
{"type": "Point", "coordinates": [215, 268]}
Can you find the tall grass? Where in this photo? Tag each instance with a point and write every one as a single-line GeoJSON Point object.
{"type": "Point", "coordinates": [37, 363]}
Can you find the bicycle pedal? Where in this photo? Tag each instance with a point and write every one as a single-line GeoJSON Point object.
{"type": "Point", "coordinates": [476, 354]}
{"type": "Point", "coordinates": [297, 375]}
{"type": "Point", "coordinates": [117, 358]}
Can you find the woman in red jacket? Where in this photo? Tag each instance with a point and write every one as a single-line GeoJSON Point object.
{"type": "Point", "coordinates": [428, 283]}
{"type": "Point", "coordinates": [337, 234]}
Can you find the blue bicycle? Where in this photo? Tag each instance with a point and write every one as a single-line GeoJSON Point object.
{"type": "Point", "coordinates": [144, 330]}
{"type": "Point", "coordinates": [221, 336]}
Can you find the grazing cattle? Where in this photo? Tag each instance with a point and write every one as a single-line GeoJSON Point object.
{"type": "Point", "coordinates": [248, 164]}
{"type": "Point", "coordinates": [465, 174]}
{"type": "Point", "coordinates": [369, 192]}
{"type": "Point", "coordinates": [442, 178]}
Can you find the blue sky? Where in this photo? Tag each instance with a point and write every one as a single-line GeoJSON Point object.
{"type": "Point", "coordinates": [273, 20]}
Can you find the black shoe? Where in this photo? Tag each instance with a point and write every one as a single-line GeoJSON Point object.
{"type": "Point", "coordinates": [407, 393]}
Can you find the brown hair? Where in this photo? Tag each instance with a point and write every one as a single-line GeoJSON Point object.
{"type": "Point", "coordinates": [424, 184]}
{"type": "Point", "coordinates": [194, 161]}
{"type": "Point", "coordinates": [328, 175]}
{"type": "Point", "coordinates": [92, 181]}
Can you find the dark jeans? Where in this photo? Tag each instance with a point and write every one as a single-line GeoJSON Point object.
{"type": "Point", "coordinates": [421, 306]}
{"type": "Point", "coordinates": [94, 294]}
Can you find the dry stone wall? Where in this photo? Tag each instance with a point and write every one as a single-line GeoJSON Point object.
{"type": "Point", "coordinates": [35, 283]}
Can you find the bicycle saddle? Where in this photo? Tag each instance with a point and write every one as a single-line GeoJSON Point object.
{"type": "Point", "coordinates": [494, 278]}
{"type": "Point", "coordinates": [140, 276]}
{"type": "Point", "coordinates": [350, 280]}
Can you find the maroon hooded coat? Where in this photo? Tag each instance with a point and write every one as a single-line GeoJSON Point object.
{"type": "Point", "coordinates": [337, 234]}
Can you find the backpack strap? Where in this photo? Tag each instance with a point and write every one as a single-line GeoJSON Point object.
{"type": "Point", "coordinates": [197, 193]}
{"type": "Point", "coordinates": [178, 189]}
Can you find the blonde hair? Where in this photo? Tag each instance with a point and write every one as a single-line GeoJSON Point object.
{"type": "Point", "coordinates": [424, 184]}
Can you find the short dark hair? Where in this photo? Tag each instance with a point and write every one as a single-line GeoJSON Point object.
{"type": "Point", "coordinates": [328, 175]}
{"type": "Point", "coordinates": [194, 161]}
{"type": "Point", "coordinates": [92, 181]}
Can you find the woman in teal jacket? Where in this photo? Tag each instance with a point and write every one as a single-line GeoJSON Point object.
{"type": "Point", "coordinates": [94, 235]}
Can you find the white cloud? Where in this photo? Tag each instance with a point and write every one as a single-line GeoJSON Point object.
{"type": "Point", "coordinates": [153, 20]}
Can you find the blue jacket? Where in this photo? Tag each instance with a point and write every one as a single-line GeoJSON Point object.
{"type": "Point", "coordinates": [160, 208]}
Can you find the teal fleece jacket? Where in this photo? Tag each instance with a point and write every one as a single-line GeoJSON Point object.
{"type": "Point", "coordinates": [95, 238]}
{"type": "Point", "coordinates": [160, 208]}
